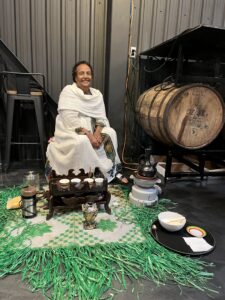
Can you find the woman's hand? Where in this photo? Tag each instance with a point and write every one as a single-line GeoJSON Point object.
{"type": "Point", "coordinates": [95, 143]}
{"type": "Point", "coordinates": [97, 134]}
{"type": "Point", "coordinates": [93, 140]}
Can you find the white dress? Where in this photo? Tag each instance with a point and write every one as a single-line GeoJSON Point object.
{"type": "Point", "coordinates": [71, 150]}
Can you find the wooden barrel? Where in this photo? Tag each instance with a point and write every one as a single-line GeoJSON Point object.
{"type": "Point", "coordinates": [190, 116]}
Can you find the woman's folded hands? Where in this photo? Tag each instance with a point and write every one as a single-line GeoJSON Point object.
{"type": "Point", "coordinates": [95, 139]}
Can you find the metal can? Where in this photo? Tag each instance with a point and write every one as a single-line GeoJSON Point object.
{"type": "Point", "coordinates": [28, 196]}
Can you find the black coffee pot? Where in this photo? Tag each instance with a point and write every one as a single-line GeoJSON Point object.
{"type": "Point", "coordinates": [146, 168]}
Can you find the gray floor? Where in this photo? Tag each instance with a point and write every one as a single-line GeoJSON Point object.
{"type": "Point", "coordinates": [202, 202]}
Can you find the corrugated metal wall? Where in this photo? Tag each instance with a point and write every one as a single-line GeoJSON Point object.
{"type": "Point", "coordinates": [155, 21]}
{"type": "Point", "coordinates": [49, 36]}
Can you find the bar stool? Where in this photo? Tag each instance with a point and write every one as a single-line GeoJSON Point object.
{"type": "Point", "coordinates": [18, 87]}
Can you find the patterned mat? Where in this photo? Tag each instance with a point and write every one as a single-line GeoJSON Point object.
{"type": "Point", "coordinates": [66, 229]}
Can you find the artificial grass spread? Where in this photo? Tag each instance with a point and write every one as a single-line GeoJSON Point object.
{"type": "Point", "coordinates": [89, 272]}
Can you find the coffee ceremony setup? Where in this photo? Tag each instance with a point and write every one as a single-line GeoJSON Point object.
{"type": "Point", "coordinates": [114, 192]}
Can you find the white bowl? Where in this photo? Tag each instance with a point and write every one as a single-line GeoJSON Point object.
{"type": "Point", "coordinates": [171, 221]}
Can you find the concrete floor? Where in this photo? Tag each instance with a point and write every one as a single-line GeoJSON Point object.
{"type": "Point", "coordinates": [202, 202]}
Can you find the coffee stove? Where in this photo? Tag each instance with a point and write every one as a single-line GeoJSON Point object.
{"type": "Point", "coordinates": [145, 190]}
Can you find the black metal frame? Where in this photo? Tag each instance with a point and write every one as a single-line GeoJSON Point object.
{"type": "Point", "coordinates": [199, 167]}
{"type": "Point", "coordinates": [188, 64]}
{"type": "Point", "coordinates": [19, 86]}
{"type": "Point", "coordinates": [182, 77]}
{"type": "Point", "coordinates": [23, 81]}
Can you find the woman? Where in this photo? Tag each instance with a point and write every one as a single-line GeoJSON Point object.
{"type": "Point", "coordinates": [83, 137]}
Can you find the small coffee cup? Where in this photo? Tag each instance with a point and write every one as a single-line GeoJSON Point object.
{"type": "Point", "coordinates": [76, 181]}
{"type": "Point", "coordinates": [90, 181]}
{"type": "Point", "coordinates": [64, 183]}
{"type": "Point", "coordinates": [99, 181]}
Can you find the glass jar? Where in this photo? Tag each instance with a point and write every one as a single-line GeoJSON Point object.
{"type": "Point", "coordinates": [31, 178]}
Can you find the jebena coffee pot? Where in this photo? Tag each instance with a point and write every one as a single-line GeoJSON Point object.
{"type": "Point", "coordinates": [146, 168]}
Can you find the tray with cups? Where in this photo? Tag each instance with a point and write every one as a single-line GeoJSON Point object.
{"type": "Point", "coordinates": [70, 191]}
{"type": "Point", "coordinates": [78, 185]}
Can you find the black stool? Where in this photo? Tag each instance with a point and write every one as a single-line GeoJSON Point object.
{"type": "Point", "coordinates": [18, 87]}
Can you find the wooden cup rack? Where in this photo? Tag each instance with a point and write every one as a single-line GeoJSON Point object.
{"type": "Point", "coordinates": [72, 196]}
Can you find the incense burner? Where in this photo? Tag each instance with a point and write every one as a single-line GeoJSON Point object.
{"type": "Point", "coordinates": [90, 212]}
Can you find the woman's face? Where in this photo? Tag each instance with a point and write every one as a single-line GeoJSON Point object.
{"type": "Point", "coordinates": [83, 77]}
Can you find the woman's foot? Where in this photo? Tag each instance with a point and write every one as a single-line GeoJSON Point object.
{"type": "Point", "coordinates": [121, 178]}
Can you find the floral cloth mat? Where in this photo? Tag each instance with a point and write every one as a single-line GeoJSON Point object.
{"type": "Point", "coordinates": [66, 229]}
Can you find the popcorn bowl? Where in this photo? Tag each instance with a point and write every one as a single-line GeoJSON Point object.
{"type": "Point", "coordinates": [171, 221]}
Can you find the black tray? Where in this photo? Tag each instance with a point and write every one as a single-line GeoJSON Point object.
{"type": "Point", "coordinates": [174, 240]}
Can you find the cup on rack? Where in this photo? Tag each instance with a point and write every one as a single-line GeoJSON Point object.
{"type": "Point", "coordinates": [64, 183]}
{"type": "Point", "coordinates": [76, 182]}
{"type": "Point", "coordinates": [90, 181]}
{"type": "Point", "coordinates": [99, 182]}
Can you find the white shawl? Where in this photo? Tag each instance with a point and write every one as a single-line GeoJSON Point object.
{"type": "Point", "coordinates": [70, 150]}
{"type": "Point", "coordinates": [73, 98]}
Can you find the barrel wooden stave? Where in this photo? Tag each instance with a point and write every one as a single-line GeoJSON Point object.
{"type": "Point", "coordinates": [190, 116]}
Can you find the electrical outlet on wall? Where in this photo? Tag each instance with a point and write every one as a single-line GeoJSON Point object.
{"type": "Point", "coordinates": [133, 52]}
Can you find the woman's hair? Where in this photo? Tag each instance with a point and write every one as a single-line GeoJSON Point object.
{"type": "Point", "coordinates": [82, 62]}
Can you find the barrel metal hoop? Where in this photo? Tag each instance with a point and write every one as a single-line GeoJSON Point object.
{"type": "Point", "coordinates": [137, 107]}
{"type": "Point", "coordinates": [174, 97]}
{"type": "Point", "coordinates": [165, 133]}
{"type": "Point", "coordinates": [149, 111]}
{"type": "Point", "coordinates": [167, 109]}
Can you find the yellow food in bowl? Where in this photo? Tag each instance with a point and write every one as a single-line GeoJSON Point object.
{"type": "Point", "coordinates": [171, 221]}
